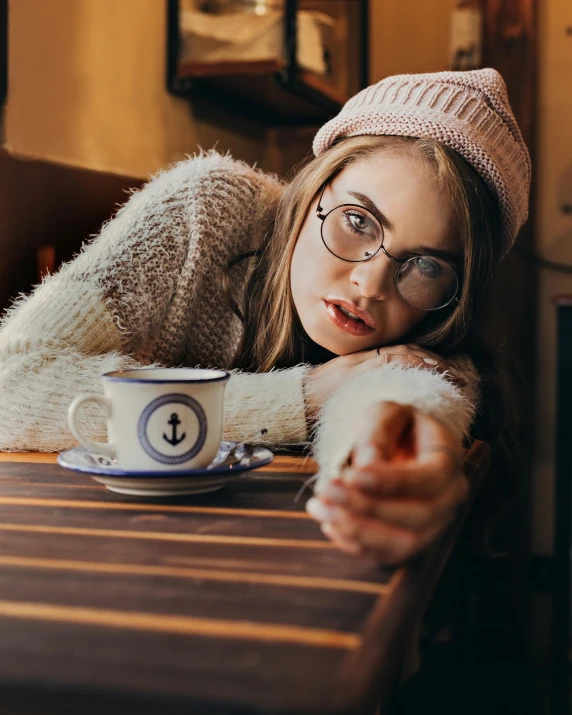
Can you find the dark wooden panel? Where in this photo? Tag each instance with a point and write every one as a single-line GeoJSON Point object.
{"type": "Point", "coordinates": [263, 676]}
{"type": "Point", "coordinates": [203, 584]}
{"type": "Point", "coordinates": [193, 597]}
{"type": "Point", "coordinates": [392, 621]}
{"type": "Point", "coordinates": [192, 527]}
{"type": "Point", "coordinates": [46, 204]}
{"type": "Point", "coordinates": [232, 605]}
{"type": "Point", "coordinates": [319, 564]}
{"type": "Point", "coordinates": [510, 46]}
{"type": "Point", "coordinates": [259, 490]}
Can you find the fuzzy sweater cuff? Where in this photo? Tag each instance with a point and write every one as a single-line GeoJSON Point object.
{"type": "Point", "coordinates": [430, 392]}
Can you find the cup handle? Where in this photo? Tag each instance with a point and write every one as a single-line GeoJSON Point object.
{"type": "Point", "coordinates": [103, 447]}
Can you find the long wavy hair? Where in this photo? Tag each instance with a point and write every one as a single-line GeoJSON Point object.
{"type": "Point", "coordinates": [273, 336]}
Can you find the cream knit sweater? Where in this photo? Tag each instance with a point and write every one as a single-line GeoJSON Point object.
{"type": "Point", "coordinates": [148, 290]}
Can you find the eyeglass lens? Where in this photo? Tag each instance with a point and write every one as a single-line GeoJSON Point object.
{"type": "Point", "coordinates": [424, 282]}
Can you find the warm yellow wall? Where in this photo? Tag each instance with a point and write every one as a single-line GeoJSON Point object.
{"type": "Point", "coordinates": [411, 36]}
{"type": "Point", "coordinates": [87, 88]}
{"type": "Point", "coordinates": [553, 173]}
{"type": "Point", "coordinates": [87, 84]}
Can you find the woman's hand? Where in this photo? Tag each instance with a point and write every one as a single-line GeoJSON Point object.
{"type": "Point", "coordinates": [401, 488]}
{"type": "Point", "coordinates": [324, 380]}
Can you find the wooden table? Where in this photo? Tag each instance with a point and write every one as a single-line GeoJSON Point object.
{"type": "Point", "coordinates": [229, 602]}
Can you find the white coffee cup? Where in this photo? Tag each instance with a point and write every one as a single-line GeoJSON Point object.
{"type": "Point", "coordinates": [158, 419]}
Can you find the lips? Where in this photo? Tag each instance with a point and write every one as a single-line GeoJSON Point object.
{"type": "Point", "coordinates": [351, 308]}
{"type": "Point", "coordinates": [359, 326]}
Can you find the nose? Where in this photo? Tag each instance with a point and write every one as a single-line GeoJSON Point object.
{"type": "Point", "coordinates": [374, 278]}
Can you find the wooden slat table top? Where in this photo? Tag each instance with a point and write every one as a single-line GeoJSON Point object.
{"type": "Point", "coordinates": [228, 602]}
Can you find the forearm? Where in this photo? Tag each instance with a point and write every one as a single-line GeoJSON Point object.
{"type": "Point", "coordinates": [272, 400]}
{"type": "Point", "coordinates": [38, 381]}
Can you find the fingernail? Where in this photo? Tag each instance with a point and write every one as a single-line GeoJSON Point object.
{"type": "Point", "coordinates": [320, 511]}
{"type": "Point", "coordinates": [327, 529]}
{"type": "Point", "coordinates": [430, 361]}
{"type": "Point", "coordinates": [349, 546]}
{"type": "Point", "coordinates": [334, 493]}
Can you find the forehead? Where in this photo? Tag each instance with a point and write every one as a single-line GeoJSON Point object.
{"type": "Point", "coordinates": [404, 189]}
{"type": "Point", "coordinates": [393, 173]}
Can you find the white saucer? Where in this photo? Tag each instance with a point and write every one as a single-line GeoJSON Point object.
{"type": "Point", "coordinates": [163, 483]}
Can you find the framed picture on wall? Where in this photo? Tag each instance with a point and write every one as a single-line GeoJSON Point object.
{"type": "Point", "coordinates": [284, 60]}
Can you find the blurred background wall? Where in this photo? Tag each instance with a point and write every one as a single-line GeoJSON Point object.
{"type": "Point", "coordinates": [88, 117]}
{"type": "Point", "coordinates": [553, 236]}
{"type": "Point", "coordinates": [87, 89]}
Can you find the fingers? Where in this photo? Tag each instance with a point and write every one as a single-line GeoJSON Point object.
{"type": "Point", "coordinates": [357, 534]}
{"type": "Point", "coordinates": [391, 547]}
{"type": "Point", "coordinates": [405, 478]}
{"type": "Point", "coordinates": [408, 513]}
{"type": "Point", "coordinates": [434, 443]}
{"type": "Point", "coordinates": [381, 431]}
{"type": "Point", "coordinates": [389, 506]}
{"type": "Point", "coordinates": [411, 355]}
{"type": "Point", "coordinates": [438, 363]}
{"type": "Point", "coordinates": [414, 355]}
{"type": "Point", "coordinates": [435, 458]}
{"type": "Point", "coordinates": [412, 360]}
{"type": "Point", "coordinates": [350, 546]}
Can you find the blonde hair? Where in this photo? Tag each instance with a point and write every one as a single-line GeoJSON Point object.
{"type": "Point", "coordinates": [273, 335]}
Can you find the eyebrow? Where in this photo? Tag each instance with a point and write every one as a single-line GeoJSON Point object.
{"type": "Point", "coordinates": [450, 256]}
{"type": "Point", "coordinates": [372, 208]}
{"type": "Point", "coordinates": [419, 250]}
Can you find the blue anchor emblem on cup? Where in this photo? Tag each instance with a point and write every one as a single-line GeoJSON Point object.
{"type": "Point", "coordinates": [169, 446]}
{"type": "Point", "coordinates": [174, 440]}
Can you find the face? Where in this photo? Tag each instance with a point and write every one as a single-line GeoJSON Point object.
{"type": "Point", "coordinates": [416, 216]}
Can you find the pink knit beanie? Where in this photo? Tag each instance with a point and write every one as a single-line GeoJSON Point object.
{"type": "Point", "coordinates": [467, 111]}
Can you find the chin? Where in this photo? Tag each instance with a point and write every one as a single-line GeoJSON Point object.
{"type": "Point", "coordinates": [338, 347]}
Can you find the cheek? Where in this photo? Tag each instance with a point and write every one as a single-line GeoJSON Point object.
{"type": "Point", "coordinates": [300, 271]}
{"type": "Point", "coordinates": [407, 318]}
{"type": "Point", "coordinates": [313, 271]}
{"type": "Point", "coordinates": [303, 269]}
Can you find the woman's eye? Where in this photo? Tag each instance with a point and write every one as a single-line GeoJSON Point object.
{"type": "Point", "coordinates": [427, 266]}
{"type": "Point", "coordinates": [358, 221]}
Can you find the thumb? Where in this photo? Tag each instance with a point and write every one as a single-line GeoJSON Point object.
{"type": "Point", "coordinates": [382, 431]}
{"type": "Point", "coordinates": [436, 443]}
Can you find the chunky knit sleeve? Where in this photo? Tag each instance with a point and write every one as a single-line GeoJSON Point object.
{"type": "Point", "coordinates": [146, 290]}
{"type": "Point", "coordinates": [428, 391]}
{"type": "Point", "coordinates": [272, 400]}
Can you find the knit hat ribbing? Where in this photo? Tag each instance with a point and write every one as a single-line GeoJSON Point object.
{"type": "Point", "coordinates": [467, 111]}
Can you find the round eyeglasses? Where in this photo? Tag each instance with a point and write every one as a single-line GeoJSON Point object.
{"type": "Point", "coordinates": [352, 233]}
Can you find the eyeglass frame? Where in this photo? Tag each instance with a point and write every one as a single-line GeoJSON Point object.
{"type": "Point", "coordinates": [323, 216]}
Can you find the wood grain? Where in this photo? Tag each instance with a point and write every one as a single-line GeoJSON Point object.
{"type": "Point", "coordinates": [29, 457]}
{"type": "Point", "coordinates": [167, 508]}
{"type": "Point", "coordinates": [166, 536]}
{"type": "Point", "coordinates": [180, 625]}
{"type": "Point", "coordinates": [197, 573]}
{"type": "Point", "coordinates": [228, 602]}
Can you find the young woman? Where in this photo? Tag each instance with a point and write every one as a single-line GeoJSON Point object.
{"type": "Point", "coordinates": [352, 302]}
